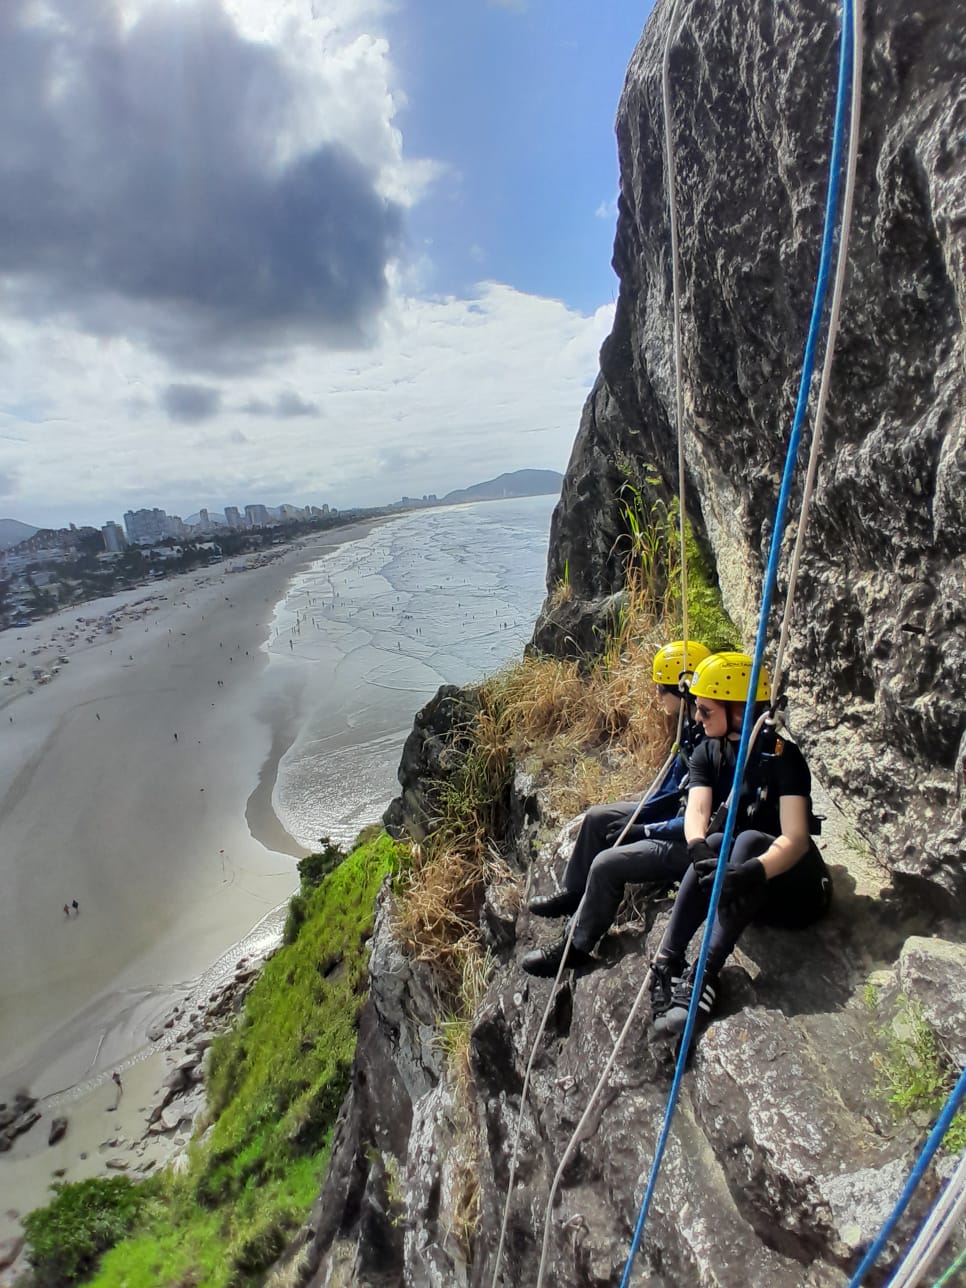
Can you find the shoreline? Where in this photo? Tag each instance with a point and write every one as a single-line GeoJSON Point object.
{"type": "Point", "coordinates": [263, 822]}
{"type": "Point", "coordinates": [229, 864]}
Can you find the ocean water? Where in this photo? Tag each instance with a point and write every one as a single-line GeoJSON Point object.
{"type": "Point", "coordinates": [372, 630]}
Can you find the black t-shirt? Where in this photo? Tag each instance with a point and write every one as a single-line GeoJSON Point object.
{"type": "Point", "coordinates": [768, 777]}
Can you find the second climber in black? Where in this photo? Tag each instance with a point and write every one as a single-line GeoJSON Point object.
{"type": "Point", "coordinates": [775, 873]}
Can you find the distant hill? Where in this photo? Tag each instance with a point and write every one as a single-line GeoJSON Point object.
{"type": "Point", "coordinates": [215, 518]}
{"type": "Point", "coordinates": [518, 483]}
{"type": "Point", "coordinates": [12, 531]}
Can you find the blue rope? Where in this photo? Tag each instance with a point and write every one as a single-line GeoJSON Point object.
{"type": "Point", "coordinates": [771, 577]}
{"type": "Point", "coordinates": [933, 1141]}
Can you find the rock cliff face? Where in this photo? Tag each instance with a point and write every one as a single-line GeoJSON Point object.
{"type": "Point", "coordinates": [878, 655]}
{"type": "Point", "coordinates": [783, 1162]}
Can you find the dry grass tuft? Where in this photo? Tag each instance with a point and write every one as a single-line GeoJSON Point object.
{"type": "Point", "coordinates": [454, 1033]}
{"type": "Point", "coordinates": [596, 725]}
{"type": "Point", "coordinates": [437, 909]}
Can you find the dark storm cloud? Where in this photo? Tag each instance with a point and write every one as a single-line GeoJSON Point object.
{"type": "Point", "coordinates": [289, 404]}
{"type": "Point", "coordinates": [143, 191]}
{"type": "Point", "coordinates": [286, 406]}
{"type": "Point", "coordinates": [190, 403]}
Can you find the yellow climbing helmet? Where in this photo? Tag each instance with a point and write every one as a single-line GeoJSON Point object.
{"type": "Point", "coordinates": [677, 659]}
{"type": "Point", "coordinates": [725, 677]}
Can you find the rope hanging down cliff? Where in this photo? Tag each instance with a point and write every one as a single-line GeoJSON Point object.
{"type": "Point", "coordinates": [676, 311]}
{"type": "Point", "coordinates": [682, 518]}
{"type": "Point", "coordinates": [822, 399]}
{"type": "Point", "coordinates": [933, 1141]}
{"type": "Point", "coordinates": [947, 1277]}
{"type": "Point", "coordinates": [850, 50]}
{"type": "Point", "coordinates": [675, 749]}
{"type": "Point", "coordinates": [936, 1231]}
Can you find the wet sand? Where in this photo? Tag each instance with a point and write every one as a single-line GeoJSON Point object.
{"type": "Point", "coordinates": [138, 782]}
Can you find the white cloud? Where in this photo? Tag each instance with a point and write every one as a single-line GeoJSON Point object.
{"type": "Point", "coordinates": [133, 374]}
{"type": "Point", "coordinates": [455, 391]}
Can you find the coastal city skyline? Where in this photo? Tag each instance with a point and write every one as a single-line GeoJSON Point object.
{"type": "Point", "coordinates": [153, 523]}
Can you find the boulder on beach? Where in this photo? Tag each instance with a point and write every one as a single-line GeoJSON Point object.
{"type": "Point", "coordinates": [58, 1130]}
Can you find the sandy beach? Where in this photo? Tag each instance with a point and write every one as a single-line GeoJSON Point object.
{"type": "Point", "coordinates": [137, 781]}
{"type": "Point", "coordinates": [166, 774]}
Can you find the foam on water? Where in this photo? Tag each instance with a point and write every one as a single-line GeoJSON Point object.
{"type": "Point", "coordinates": [435, 597]}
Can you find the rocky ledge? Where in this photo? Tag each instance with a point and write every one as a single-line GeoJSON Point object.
{"type": "Point", "coordinates": [785, 1157]}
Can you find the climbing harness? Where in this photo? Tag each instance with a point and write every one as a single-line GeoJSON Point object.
{"type": "Point", "coordinates": [933, 1141]}
{"type": "Point", "coordinates": [850, 50]}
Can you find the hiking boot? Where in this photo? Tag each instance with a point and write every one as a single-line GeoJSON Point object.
{"type": "Point", "coordinates": [545, 962]}
{"type": "Point", "coordinates": [671, 1023]}
{"type": "Point", "coordinates": [666, 975]}
{"type": "Point", "coordinates": [562, 904]}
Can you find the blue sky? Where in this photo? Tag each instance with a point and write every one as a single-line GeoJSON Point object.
{"type": "Point", "coordinates": [520, 103]}
{"type": "Point", "coordinates": [275, 250]}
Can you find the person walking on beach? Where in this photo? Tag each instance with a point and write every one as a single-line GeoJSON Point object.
{"type": "Point", "coordinates": [75, 905]}
{"type": "Point", "coordinates": [67, 910]}
{"type": "Point", "coordinates": [116, 1079]}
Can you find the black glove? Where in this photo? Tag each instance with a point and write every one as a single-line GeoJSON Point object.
{"type": "Point", "coordinates": [704, 860]}
{"type": "Point", "coordinates": [742, 880]}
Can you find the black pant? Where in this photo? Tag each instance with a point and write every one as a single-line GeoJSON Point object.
{"type": "Point", "coordinates": [601, 826]}
{"type": "Point", "coordinates": [600, 872]}
{"type": "Point", "coordinates": [794, 899]}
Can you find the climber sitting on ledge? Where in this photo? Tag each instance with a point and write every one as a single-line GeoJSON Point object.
{"type": "Point", "coordinates": [654, 848]}
{"type": "Point", "coordinates": [775, 873]}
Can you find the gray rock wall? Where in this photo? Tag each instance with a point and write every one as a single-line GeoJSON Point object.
{"type": "Point", "coordinates": [878, 652]}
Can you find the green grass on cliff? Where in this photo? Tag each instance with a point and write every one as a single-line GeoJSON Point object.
{"type": "Point", "coordinates": [650, 549]}
{"type": "Point", "coordinates": [275, 1087]}
{"type": "Point", "coordinates": [707, 619]}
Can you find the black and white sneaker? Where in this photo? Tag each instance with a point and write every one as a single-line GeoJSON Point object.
{"type": "Point", "coordinates": [671, 1023]}
{"type": "Point", "coordinates": [666, 975]}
